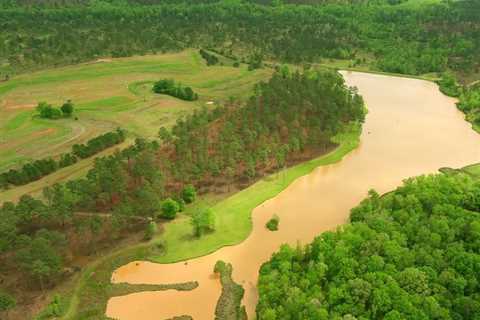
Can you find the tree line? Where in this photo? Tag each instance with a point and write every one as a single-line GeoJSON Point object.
{"type": "Point", "coordinates": [209, 58]}
{"type": "Point", "coordinates": [411, 39]}
{"type": "Point", "coordinates": [410, 254]}
{"type": "Point", "coordinates": [63, 3]}
{"type": "Point", "coordinates": [38, 169]}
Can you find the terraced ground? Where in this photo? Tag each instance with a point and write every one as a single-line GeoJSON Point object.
{"type": "Point", "coordinates": [107, 93]}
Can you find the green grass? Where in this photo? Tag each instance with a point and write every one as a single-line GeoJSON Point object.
{"type": "Point", "coordinates": [233, 215]}
{"type": "Point", "coordinates": [18, 120]}
{"type": "Point", "coordinates": [112, 104]}
{"type": "Point", "coordinates": [472, 170]}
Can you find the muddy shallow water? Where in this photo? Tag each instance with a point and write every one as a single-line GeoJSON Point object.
{"type": "Point", "coordinates": [411, 129]}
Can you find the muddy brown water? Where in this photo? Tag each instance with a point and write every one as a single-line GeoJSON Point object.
{"type": "Point", "coordinates": [411, 129]}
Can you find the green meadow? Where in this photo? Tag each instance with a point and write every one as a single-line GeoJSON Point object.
{"type": "Point", "coordinates": [107, 93]}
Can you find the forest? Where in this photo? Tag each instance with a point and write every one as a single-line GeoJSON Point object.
{"type": "Point", "coordinates": [410, 254]}
{"type": "Point", "coordinates": [291, 117]}
{"type": "Point", "coordinates": [403, 38]}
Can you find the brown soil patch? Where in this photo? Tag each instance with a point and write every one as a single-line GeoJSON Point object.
{"type": "Point", "coordinates": [21, 106]}
{"type": "Point", "coordinates": [43, 133]}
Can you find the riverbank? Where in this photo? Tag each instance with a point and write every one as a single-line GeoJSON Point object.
{"type": "Point", "coordinates": [233, 215]}
{"type": "Point", "coordinates": [88, 292]}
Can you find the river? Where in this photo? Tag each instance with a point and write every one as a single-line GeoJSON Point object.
{"type": "Point", "coordinates": [411, 129]}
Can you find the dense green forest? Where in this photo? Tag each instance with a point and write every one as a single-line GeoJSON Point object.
{"type": "Point", "coordinates": [408, 38]}
{"type": "Point", "coordinates": [411, 254]}
{"type": "Point", "coordinates": [290, 118]}
{"type": "Point", "coordinates": [63, 3]}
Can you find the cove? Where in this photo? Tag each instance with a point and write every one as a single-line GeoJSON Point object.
{"type": "Point", "coordinates": [411, 129]}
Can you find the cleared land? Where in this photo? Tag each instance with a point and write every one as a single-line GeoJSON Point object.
{"type": "Point", "coordinates": [107, 94]}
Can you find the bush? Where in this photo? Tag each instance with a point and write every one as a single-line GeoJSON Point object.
{"type": "Point", "coordinates": [449, 86]}
{"type": "Point", "coordinates": [67, 108]}
{"type": "Point", "coordinates": [46, 111]}
{"type": "Point", "coordinates": [189, 194]}
{"type": "Point", "coordinates": [150, 231]}
{"type": "Point", "coordinates": [203, 221]}
{"type": "Point", "coordinates": [169, 87]}
{"type": "Point", "coordinates": [7, 302]}
{"type": "Point", "coordinates": [170, 208]}
{"type": "Point", "coordinates": [181, 204]}
{"type": "Point", "coordinates": [272, 224]}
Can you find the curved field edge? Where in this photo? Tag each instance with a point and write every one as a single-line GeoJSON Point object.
{"type": "Point", "coordinates": [233, 223]}
{"type": "Point", "coordinates": [233, 215]}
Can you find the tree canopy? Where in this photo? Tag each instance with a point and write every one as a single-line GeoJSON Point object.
{"type": "Point", "coordinates": [411, 38]}
{"type": "Point", "coordinates": [411, 254]}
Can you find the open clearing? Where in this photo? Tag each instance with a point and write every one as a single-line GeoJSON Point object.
{"type": "Point", "coordinates": [108, 94]}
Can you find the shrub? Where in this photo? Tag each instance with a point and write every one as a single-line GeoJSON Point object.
{"type": "Point", "coordinates": [170, 208]}
{"type": "Point", "coordinates": [202, 222]}
{"type": "Point", "coordinates": [189, 194]}
{"type": "Point", "coordinates": [272, 224]}
{"type": "Point", "coordinates": [150, 230]}
{"type": "Point", "coordinates": [169, 87]}
{"type": "Point", "coordinates": [67, 108]}
{"type": "Point", "coordinates": [7, 302]}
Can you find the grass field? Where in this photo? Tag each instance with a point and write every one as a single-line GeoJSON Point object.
{"type": "Point", "coordinates": [107, 94]}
